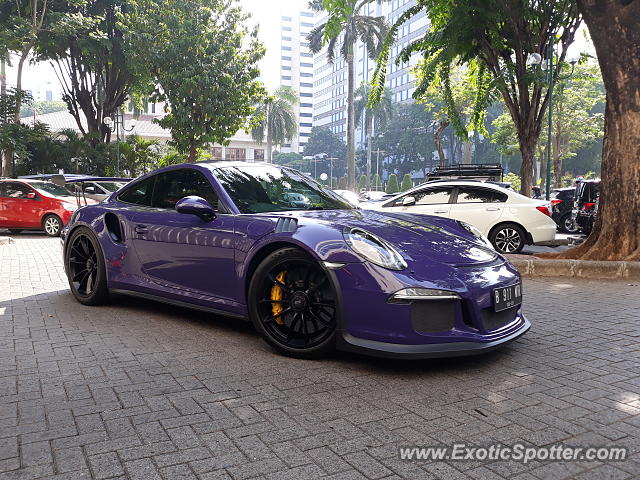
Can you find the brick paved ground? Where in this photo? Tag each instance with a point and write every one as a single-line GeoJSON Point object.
{"type": "Point", "coordinates": [141, 391]}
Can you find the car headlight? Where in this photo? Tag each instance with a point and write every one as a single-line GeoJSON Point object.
{"type": "Point", "coordinates": [374, 249]}
{"type": "Point", "coordinates": [70, 207]}
{"type": "Point", "coordinates": [476, 233]}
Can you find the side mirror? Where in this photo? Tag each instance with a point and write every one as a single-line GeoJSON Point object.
{"type": "Point", "coordinates": [197, 206]}
{"type": "Point", "coordinates": [31, 195]}
{"type": "Point", "coordinates": [408, 201]}
{"type": "Point", "coordinates": [90, 190]}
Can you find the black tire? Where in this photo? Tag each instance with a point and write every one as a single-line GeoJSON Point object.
{"type": "Point", "coordinates": [566, 224]}
{"type": "Point", "coordinates": [84, 263]}
{"type": "Point", "coordinates": [15, 231]}
{"type": "Point", "coordinates": [52, 225]}
{"type": "Point", "coordinates": [306, 324]}
{"type": "Point", "coordinates": [508, 238]}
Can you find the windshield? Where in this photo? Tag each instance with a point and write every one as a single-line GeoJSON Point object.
{"type": "Point", "coordinates": [111, 186]}
{"type": "Point", "coordinates": [264, 188]}
{"type": "Point", "coordinates": [52, 189]}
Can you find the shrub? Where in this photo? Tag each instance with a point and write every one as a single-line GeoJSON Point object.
{"type": "Point", "coordinates": [392, 184]}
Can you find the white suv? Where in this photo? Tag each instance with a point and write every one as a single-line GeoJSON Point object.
{"type": "Point", "coordinates": [508, 219]}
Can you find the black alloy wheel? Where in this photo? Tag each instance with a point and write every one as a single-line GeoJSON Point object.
{"type": "Point", "coordinates": [85, 268]}
{"type": "Point", "coordinates": [293, 304]}
{"type": "Point", "coordinates": [567, 224]}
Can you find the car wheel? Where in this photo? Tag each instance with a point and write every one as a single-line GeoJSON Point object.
{"type": "Point", "coordinates": [508, 238]}
{"type": "Point", "coordinates": [567, 225]}
{"type": "Point", "coordinates": [86, 268]}
{"type": "Point", "coordinates": [293, 305]}
{"type": "Point", "coordinates": [52, 225]}
{"type": "Point", "coordinates": [15, 231]}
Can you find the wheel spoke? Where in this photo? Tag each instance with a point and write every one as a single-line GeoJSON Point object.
{"type": "Point", "coordinates": [275, 281]}
{"type": "Point", "coordinates": [79, 273]}
{"type": "Point", "coordinates": [291, 331]}
{"type": "Point", "coordinates": [271, 318]}
{"type": "Point", "coordinates": [317, 285]}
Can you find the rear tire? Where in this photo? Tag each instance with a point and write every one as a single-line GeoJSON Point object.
{"type": "Point", "coordinates": [293, 305]}
{"type": "Point", "coordinates": [52, 225]}
{"type": "Point", "coordinates": [567, 225]}
{"type": "Point", "coordinates": [508, 238]}
{"type": "Point", "coordinates": [86, 272]}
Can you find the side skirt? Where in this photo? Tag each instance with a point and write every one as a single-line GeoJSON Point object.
{"type": "Point", "coordinates": [178, 303]}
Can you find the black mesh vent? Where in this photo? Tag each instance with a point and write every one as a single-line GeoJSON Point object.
{"type": "Point", "coordinates": [492, 320]}
{"type": "Point", "coordinates": [433, 315]}
{"type": "Point", "coordinates": [286, 225]}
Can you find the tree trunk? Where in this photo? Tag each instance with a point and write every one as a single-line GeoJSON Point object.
{"type": "Point", "coordinates": [613, 26]}
{"type": "Point", "coordinates": [466, 153]}
{"type": "Point", "coordinates": [193, 153]}
{"type": "Point", "coordinates": [3, 91]}
{"type": "Point", "coordinates": [351, 124]}
{"type": "Point", "coordinates": [23, 56]}
{"type": "Point", "coordinates": [528, 143]}
{"type": "Point", "coordinates": [369, 130]}
{"type": "Point", "coordinates": [269, 145]}
{"type": "Point", "coordinates": [437, 139]}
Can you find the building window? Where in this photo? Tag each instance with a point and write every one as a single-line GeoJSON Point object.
{"type": "Point", "coordinates": [308, 55]}
{"type": "Point", "coordinates": [305, 64]}
{"type": "Point", "coordinates": [285, 58]}
{"type": "Point", "coordinates": [306, 14]}
{"type": "Point", "coordinates": [286, 19]}
{"type": "Point", "coordinates": [286, 29]}
{"type": "Point", "coordinates": [258, 154]}
{"type": "Point", "coordinates": [286, 39]}
{"type": "Point", "coordinates": [306, 94]}
{"type": "Point", "coordinates": [236, 154]}
{"type": "Point", "coordinates": [285, 77]}
{"type": "Point", "coordinates": [303, 134]}
{"type": "Point", "coordinates": [306, 105]}
{"type": "Point", "coordinates": [217, 153]}
{"type": "Point", "coordinates": [306, 74]}
{"type": "Point", "coordinates": [306, 24]}
{"type": "Point", "coordinates": [286, 49]}
{"type": "Point", "coordinates": [306, 114]}
{"type": "Point", "coordinates": [305, 124]}
{"type": "Point", "coordinates": [284, 67]}
{"type": "Point", "coordinates": [153, 108]}
{"type": "Point", "coordinates": [306, 84]}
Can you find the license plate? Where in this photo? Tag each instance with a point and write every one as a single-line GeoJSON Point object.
{"type": "Point", "coordinates": [507, 297]}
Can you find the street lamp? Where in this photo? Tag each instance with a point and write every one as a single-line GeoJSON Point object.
{"type": "Point", "coordinates": [115, 125]}
{"type": "Point", "coordinates": [536, 59]}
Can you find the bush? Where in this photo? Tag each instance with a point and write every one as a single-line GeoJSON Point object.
{"type": "Point", "coordinates": [406, 182]}
{"type": "Point", "coordinates": [514, 180]}
{"type": "Point", "coordinates": [377, 182]}
{"type": "Point", "coordinates": [342, 183]}
{"type": "Point", "coordinates": [392, 184]}
{"type": "Point", "coordinates": [362, 183]}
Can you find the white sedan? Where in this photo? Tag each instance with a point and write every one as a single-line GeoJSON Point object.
{"type": "Point", "coordinates": [509, 220]}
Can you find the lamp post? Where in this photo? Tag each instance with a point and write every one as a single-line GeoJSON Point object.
{"type": "Point", "coordinates": [115, 125]}
{"type": "Point", "coordinates": [536, 59]}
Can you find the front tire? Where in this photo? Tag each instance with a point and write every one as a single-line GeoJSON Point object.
{"type": "Point", "coordinates": [293, 305]}
{"type": "Point", "coordinates": [52, 225]}
{"type": "Point", "coordinates": [508, 238]}
{"type": "Point", "coordinates": [85, 268]}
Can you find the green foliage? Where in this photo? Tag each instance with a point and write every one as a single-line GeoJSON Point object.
{"type": "Point", "coordinates": [376, 184]}
{"type": "Point", "coordinates": [138, 155]}
{"type": "Point", "coordinates": [376, 116]}
{"type": "Point", "coordinates": [322, 140]}
{"type": "Point", "coordinates": [362, 183]}
{"type": "Point", "coordinates": [42, 107]}
{"type": "Point", "coordinates": [276, 118]}
{"type": "Point", "coordinates": [392, 184]}
{"type": "Point", "coordinates": [514, 180]}
{"type": "Point", "coordinates": [407, 143]}
{"type": "Point", "coordinates": [293, 160]}
{"type": "Point", "coordinates": [204, 64]}
{"type": "Point", "coordinates": [406, 182]}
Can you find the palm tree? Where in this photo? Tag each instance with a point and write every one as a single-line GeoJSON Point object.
{"type": "Point", "coordinates": [371, 31]}
{"type": "Point", "coordinates": [377, 116]}
{"type": "Point", "coordinates": [278, 122]}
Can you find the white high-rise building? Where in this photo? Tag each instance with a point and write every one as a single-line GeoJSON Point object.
{"type": "Point", "coordinates": [330, 79]}
{"type": "Point", "coordinates": [296, 70]}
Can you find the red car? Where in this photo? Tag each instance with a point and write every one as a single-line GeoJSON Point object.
{"type": "Point", "coordinates": [35, 205]}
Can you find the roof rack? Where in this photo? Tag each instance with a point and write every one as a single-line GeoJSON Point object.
{"type": "Point", "coordinates": [479, 171]}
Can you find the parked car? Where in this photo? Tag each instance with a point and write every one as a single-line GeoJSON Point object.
{"type": "Point", "coordinates": [562, 205]}
{"type": "Point", "coordinates": [509, 220]}
{"type": "Point", "coordinates": [585, 205]}
{"type": "Point", "coordinates": [35, 205]}
{"type": "Point", "coordinates": [220, 236]}
{"type": "Point", "coordinates": [349, 196]}
{"type": "Point", "coordinates": [84, 186]}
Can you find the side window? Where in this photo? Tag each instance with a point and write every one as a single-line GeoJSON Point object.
{"type": "Point", "coordinates": [139, 193]}
{"type": "Point", "coordinates": [429, 196]}
{"type": "Point", "coordinates": [176, 184]}
{"type": "Point", "coordinates": [16, 190]}
{"type": "Point", "coordinates": [3, 189]}
{"type": "Point", "coordinates": [480, 195]}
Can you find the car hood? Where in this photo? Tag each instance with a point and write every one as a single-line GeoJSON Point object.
{"type": "Point", "coordinates": [421, 238]}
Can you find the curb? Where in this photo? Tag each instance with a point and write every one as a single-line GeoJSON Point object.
{"type": "Point", "coordinates": [592, 269]}
{"type": "Point", "coordinates": [6, 240]}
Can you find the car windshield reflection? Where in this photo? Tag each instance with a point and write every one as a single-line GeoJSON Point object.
{"type": "Point", "coordinates": [265, 188]}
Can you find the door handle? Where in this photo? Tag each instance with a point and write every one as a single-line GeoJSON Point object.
{"type": "Point", "coordinates": [493, 209]}
{"type": "Point", "coordinates": [141, 229]}
{"type": "Point", "coordinates": [440, 211]}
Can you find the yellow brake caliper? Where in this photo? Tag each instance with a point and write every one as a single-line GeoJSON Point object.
{"type": "Point", "coordinates": [276, 296]}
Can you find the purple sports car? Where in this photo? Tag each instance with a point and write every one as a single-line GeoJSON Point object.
{"type": "Point", "coordinates": [311, 271]}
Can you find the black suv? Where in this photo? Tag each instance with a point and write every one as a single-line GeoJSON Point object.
{"type": "Point", "coordinates": [562, 204]}
{"type": "Point", "coordinates": [585, 205]}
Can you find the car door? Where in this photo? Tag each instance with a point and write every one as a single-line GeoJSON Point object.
{"type": "Point", "coordinates": [479, 206]}
{"type": "Point", "coordinates": [182, 250]}
{"type": "Point", "coordinates": [21, 205]}
{"type": "Point", "coordinates": [433, 200]}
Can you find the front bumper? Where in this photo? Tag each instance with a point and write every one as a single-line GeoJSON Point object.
{"type": "Point", "coordinates": [348, 342]}
{"type": "Point", "coordinates": [423, 329]}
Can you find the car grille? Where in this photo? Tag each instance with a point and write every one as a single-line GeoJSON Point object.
{"type": "Point", "coordinates": [492, 320]}
{"type": "Point", "coordinates": [433, 315]}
